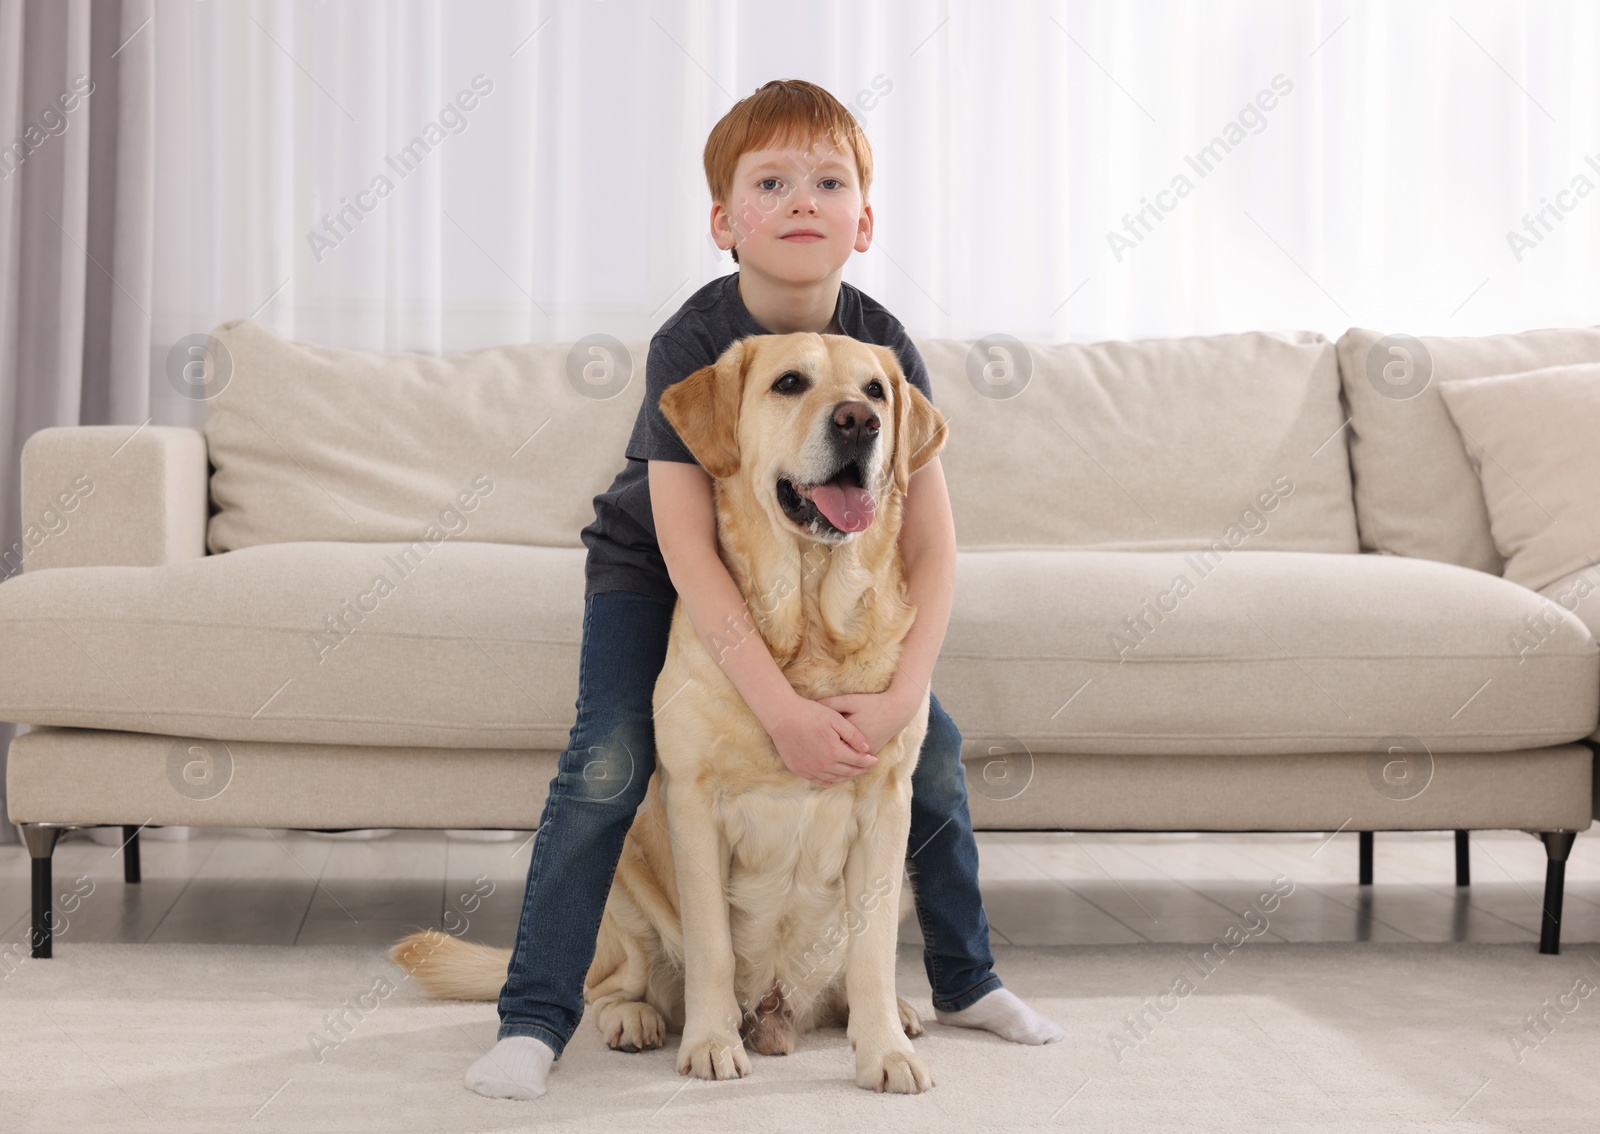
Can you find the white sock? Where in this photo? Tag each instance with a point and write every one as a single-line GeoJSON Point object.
{"type": "Point", "coordinates": [515, 1068]}
{"type": "Point", "coordinates": [1003, 1014]}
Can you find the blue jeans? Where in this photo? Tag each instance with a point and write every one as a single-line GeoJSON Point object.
{"type": "Point", "coordinates": [600, 784]}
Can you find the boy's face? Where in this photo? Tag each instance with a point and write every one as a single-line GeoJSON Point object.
{"type": "Point", "coordinates": [795, 214]}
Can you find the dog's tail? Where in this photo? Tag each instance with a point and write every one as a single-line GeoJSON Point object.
{"type": "Point", "coordinates": [451, 968]}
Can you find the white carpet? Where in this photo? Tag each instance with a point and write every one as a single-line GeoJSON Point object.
{"type": "Point", "coordinates": [1347, 1037]}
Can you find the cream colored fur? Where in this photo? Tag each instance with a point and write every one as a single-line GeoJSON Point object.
{"type": "Point", "coordinates": [749, 904]}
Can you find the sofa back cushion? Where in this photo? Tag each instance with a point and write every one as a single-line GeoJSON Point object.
{"type": "Point", "coordinates": [1415, 489]}
{"type": "Point", "coordinates": [497, 445]}
{"type": "Point", "coordinates": [1218, 441]}
{"type": "Point", "coordinates": [1154, 445]}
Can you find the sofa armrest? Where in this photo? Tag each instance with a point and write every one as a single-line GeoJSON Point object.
{"type": "Point", "coordinates": [113, 495]}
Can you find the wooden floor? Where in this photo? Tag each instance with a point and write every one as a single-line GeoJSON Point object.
{"type": "Point", "coordinates": [237, 886]}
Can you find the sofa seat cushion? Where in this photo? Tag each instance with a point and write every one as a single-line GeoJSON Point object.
{"type": "Point", "coordinates": [1579, 594]}
{"type": "Point", "coordinates": [475, 645]}
{"type": "Point", "coordinates": [1259, 652]}
{"type": "Point", "coordinates": [462, 645]}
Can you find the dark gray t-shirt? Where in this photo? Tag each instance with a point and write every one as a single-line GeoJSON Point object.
{"type": "Point", "coordinates": [624, 554]}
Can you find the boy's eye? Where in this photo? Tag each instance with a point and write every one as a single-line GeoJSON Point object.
{"type": "Point", "coordinates": [875, 390]}
{"type": "Point", "coordinates": [767, 183]}
{"type": "Point", "coordinates": [832, 183]}
{"type": "Point", "coordinates": [789, 383]}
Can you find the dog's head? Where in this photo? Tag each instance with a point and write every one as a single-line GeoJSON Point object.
{"type": "Point", "coordinates": [820, 427]}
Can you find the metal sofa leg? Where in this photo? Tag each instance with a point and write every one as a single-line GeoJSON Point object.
{"type": "Point", "coordinates": [41, 839]}
{"type": "Point", "coordinates": [130, 853]}
{"type": "Point", "coordinates": [1366, 857]}
{"type": "Point", "coordinates": [1557, 845]}
{"type": "Point", "coordinates": [1463, 860]}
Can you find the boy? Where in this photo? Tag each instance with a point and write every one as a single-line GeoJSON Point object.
{"type": "Point", "coordinates": [788, 170]}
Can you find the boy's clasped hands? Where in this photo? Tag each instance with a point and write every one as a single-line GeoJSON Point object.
{"type": "Point", "coordinates": [833, 739]}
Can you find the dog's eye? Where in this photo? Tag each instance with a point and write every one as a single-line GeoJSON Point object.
{"type": "Point", "coordinates": [789, 383]}
{"type": "Point", "coordinates": [875, 389]}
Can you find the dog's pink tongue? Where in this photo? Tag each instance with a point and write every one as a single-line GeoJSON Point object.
{"type": "Point", "coordinates": [848, 507]}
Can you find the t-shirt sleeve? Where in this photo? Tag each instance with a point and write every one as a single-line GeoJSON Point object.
{"type": "Point", "coordinates": [653, 437]}
{"type": "Point", "coordinates": [916, 371]}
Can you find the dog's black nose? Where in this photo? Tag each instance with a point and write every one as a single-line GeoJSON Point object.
{"type": "Point", "coordinates": [855, 422]}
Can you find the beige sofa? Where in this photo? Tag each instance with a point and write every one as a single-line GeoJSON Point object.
{"type": "Point", "coordinates": [1228, 583]}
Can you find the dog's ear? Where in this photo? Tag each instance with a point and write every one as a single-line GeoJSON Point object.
{"type": "Point", "coordinates": [919, 429]}
{"type": "Point", "coordinates": [704, 409]}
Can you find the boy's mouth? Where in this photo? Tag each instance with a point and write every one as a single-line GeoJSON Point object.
{"type": "Point", "coordinates": [802, 236]}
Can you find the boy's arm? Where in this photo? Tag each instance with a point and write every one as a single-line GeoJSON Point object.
{"type": "Point", "coordinates": [928, 550]}
{"type": "Point", "coordinates": [813, 741]}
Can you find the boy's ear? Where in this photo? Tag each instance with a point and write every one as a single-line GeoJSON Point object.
{"type": "Point", "coordinates": [704, 409]}
{"type": "Point", "coordinates": [919, 429]}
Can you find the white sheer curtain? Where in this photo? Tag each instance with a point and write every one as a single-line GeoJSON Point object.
{"type": "Point", "coordinates": [1399, 147]}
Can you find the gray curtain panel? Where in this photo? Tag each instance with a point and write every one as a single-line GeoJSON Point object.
{"type": "Point", "coordinates": [76, 164]}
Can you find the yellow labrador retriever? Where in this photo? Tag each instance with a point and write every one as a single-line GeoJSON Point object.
{"type": "Point", "coordinates": [751, 904]}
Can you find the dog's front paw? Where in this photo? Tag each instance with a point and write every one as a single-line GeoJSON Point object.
{"type": "Point", "coordinates": [909, 1020]}
{"type": "Point", "coordinates": [631, 1026]}
{"type": "Point", "coordinates": [898, 1072]}
{"type": "Point", "coordinates": [713, 1057]}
